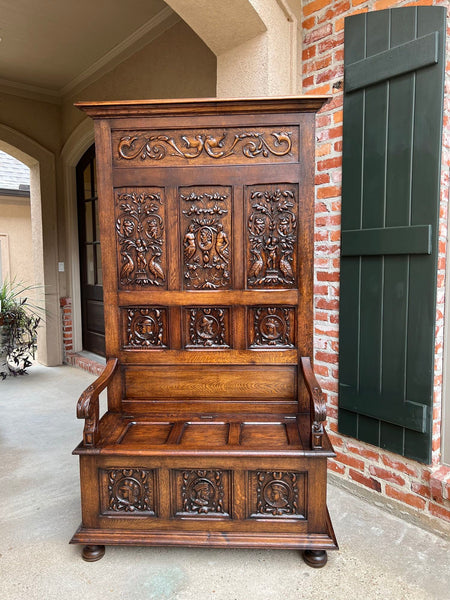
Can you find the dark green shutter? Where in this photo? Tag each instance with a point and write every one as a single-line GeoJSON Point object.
{"type": "Point", "coordinates": [393, 103]}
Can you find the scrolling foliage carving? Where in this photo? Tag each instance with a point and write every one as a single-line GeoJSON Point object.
{"type": "Point", "coordinates": [272, 237]}
{"type": "Point", "coordinates": [206, 240]}
{"type": "Point", "coordinates": [208, 327]}
{"type": "Point", "coordinates": [277, 494]}
{"type": "Point", "coordinates": [130, 490]}
{"type": "Point", "coordinates": [215, 145]}
{"type": "Point", "coordinates": [272, 327]}
{"type": "Point", "coordinates": [146, 327]}
{"type": "Point", "coordinates": [140, 234]}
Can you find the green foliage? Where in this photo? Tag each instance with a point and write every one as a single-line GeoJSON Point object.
{"type": "Point", "coordinates": [19, 321]}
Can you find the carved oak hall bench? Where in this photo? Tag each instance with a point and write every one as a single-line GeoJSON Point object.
{"type": "Point", "coordinates": [214, 434]}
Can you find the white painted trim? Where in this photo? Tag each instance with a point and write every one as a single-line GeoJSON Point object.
{"type": "Point", "coordinates": [33, 92]}
{"type": "Point", "coordinates": [74, 148]}
{"type": "Point", "coordinates": [149, 31]}
{"type": "Point", "coordinates": [45, 240]}
{"type": "Point", "coordinates": [445, 407]}
{"type": "Point", "coordinates": [5, 259]}
{"type": "Point", "coordinates": [293, 42]}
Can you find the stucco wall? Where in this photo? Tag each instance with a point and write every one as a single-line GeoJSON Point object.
{"type": "Point", "coordinates": [175, 65]}
{"type": "Point", "coordinates": [15, 221]}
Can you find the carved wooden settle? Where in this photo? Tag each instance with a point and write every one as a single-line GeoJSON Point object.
{"type": "Point", "coordinates": [214, 433]}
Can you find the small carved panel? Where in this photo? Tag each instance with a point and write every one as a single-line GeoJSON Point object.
{"type": "Point", "coordinates": [276, 494]}
{"type": "Point", "coordinates": [206, 241]}
{"type": "Point", "coordinates": [207, 328]}
{"type": "Point", "coordinates": [201, 493]}
{"type": "Point", "coordinates": [128, 491]}
{"type": "Point", "coordinates": [140, 235]}
{"type": "Point", "coordinates": [146, 327]}
{"type": "Point", "coordinates": [272, 232]}
{"type": "Point", "coordinates": [206, 146]}
{"type": "Point", "coordinates": [271, 327]}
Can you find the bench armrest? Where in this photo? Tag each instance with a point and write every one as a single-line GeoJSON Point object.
{"type": "Point", "coordinates": [88, 403]}
{"type": "Point", "coordinates": [318, 403]}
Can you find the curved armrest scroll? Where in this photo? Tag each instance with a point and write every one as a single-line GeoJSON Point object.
{"type": "Point", "coordinates": [88, 404]}
{"type": "Point", "coordinates": [318, 403]}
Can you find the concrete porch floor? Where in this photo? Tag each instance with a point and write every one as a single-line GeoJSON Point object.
{"type": "Point", "coordinates": [380, 557]}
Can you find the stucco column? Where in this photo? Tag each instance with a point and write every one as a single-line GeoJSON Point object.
{"type": "Point", "coordinates": [255, 41]}
{"type": "Point", "coordinates": [43, 263]}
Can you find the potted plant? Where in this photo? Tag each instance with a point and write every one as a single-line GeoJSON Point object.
{"type": "Point", "coordinates": [19, 321]}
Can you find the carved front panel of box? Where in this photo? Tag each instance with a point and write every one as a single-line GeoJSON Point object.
{"type": "Point", "coordinates": [200, 146]}
{"type": "Point", "coordinates": [144, 327]}
{"type": "Point", "coordinates": [201, 493]}
{"type": "Point", "coordinates": [271, 327]}
{"type": "Point", "coordinates": [207, 327]}
{"type": "Point", "coordinates": [140, 236]}
{"type": "Point", "coordinates": [128, 491]}
{"type": "Point", "coordinates": [272, 233]}
{"type": "Point", "coordinates": [206, 236]}
{"type": "Point", "coordinates": [277, 495]}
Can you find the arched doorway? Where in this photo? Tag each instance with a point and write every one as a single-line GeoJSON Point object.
{"type": "Point", "coordinates": [91, 276]}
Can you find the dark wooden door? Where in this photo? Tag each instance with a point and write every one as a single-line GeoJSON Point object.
{"type": "Point", "coordinates": [394, 80]}
{"type": "Point", "coordinates": [93, 322]}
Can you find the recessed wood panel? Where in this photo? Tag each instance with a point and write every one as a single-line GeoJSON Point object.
{"type": "Point", "coordinates": [205, 217]}
{"type": "Point", "coordinates": [204, 434]}
{"type": "Point", "coordinates": [140, 237]}
{"type": "Point", "coordinates": [145, 434]}
{"type": "Point", "coordinates": [270, 435]}
{"type": "Point", "coordinates": [206, 327]}
{"type": "Point", "coordinates": [128, 491]}
{"type": "Point", "coordinates": [201, 493]}
{"type": "Point", "coordinates": [145, 327]}
{"type": "Point", "coordinates": [198, 147]}
{"type": "Point", "coordinates": [272, 234]}
{"type": "Point", "coordinates": [277, 495]}
{"type": "Point", "coordinates": [278, 383]}
{"type": "Point", "coordinates": [271, 327]}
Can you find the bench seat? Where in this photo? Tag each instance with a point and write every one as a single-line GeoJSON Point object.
{"type": "Point", "coordinates": [270, 435]}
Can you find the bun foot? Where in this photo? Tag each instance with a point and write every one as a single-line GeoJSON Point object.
{"type": "Point", "coordinates": [315, 558]}
{"type": "Point", "coordinates": [93, 553]}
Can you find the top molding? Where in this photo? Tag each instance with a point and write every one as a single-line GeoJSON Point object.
{"type": "Point", "coordinates": [202, 106]}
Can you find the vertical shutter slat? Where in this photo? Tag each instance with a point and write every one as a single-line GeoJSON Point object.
{"type": "Point", "coordinates": [391, 175]}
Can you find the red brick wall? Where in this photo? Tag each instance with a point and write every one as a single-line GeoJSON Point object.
{"type": "Point", "coordinates": [426, 488]}
{"type": "Point", "coordinates": [70, 357]}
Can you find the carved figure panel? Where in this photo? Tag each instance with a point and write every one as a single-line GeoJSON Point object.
{"type": "Point", "coordinates": [128, 491]}
{"type": "Point", "coordinates": [141, 239]}
{"type": "Point", "coordinates": [277, 494]}
{"type": "Point", "coordinates": [206, 243]}
{"type": "Point", "coordinates": [207, 327]}
{"type": "Point", "coordinates": [271, 327]}
{"type": "Point", "coordinates": [206, 146]}
{"type": "Point", "coordinates": [201, 492]}
{"type": "Point", "coordinates": [146, 327]}
{"type": "Point", "coordinates": [272, 236]}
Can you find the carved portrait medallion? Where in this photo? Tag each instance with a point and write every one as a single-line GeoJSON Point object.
{"type": "Point", "coordinates": [201, 492]}
{"type": "Point", "coordinates": [130, 490]}
{"type": "Point", "coordinates": [278, 494]}
{"type": "Point", "coordinates": [272, 327]}
{"type": "Point", "coordinates": [208, 327]}
{"type": "Point", "coordinates": [146, 327]}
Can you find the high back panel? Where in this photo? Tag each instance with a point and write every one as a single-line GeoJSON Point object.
{"type": "Point", "coordinates": [207, 244]}
{"type": "Point", "coordinates": [214, 434]}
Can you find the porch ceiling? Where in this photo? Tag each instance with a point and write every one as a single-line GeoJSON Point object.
{"type": "Point", "coordinates": [51, 45]}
